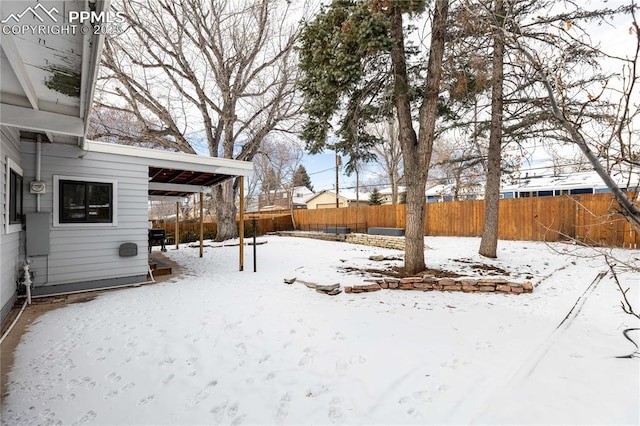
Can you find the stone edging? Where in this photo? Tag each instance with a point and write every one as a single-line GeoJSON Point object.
{"type": "Point", "coordinates": [429, 283]}
{"type": "Point", "coordinates": [383, 241]}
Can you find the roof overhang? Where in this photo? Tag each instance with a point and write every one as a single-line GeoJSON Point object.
{"type": "Point", "coordinates": [173, 175]}
{"type": "Point", "coordinates": [49, 65]}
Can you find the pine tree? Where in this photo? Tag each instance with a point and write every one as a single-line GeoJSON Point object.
{"type": "Point", "coordinates": [301, 178]}
{"type": "Point", "coordinates": [375, 199]}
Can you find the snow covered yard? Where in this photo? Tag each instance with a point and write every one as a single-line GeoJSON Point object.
{"type": "Point", "coordinates": [218, 346]}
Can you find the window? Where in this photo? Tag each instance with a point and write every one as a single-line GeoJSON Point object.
{"type": "Point", "coordinates": [578, 191]}
{"type": "Point", "coordinates": [82, 202]}
{"type": "Point", "coordinates": [14, 197]}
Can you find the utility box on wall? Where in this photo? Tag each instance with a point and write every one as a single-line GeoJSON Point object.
{"type": "Point", "coordinates": [38, 234]}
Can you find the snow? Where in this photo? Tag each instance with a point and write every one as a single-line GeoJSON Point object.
{"type": "Point", "coordinates": [219, 346]}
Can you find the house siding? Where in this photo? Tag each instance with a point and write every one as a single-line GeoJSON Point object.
{"type": "Point", "coordinates": [325, 200]}
{"type": "Point", "coordinates": [81, 254]}
{"type": "Point", "coordinates": [11, 243]}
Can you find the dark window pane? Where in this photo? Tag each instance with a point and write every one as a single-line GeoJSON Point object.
{"type": "Point", "coordinates": [15, 197]}
{"type": "Point", "coordinates": [99, 202]}
{"type": "Point", "coordinates": [582, 191]}
{"type": "Point", "coordinates": [86, 202]}
{"type": "Point", "coordinates": [73, 202]}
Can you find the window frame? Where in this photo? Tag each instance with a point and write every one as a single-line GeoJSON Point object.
{"type": "Point", "coordinates": [9, 226]}
{"type": "Point", "coordinates": [86, 180]}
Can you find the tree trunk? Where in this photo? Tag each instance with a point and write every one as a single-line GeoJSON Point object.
{"type": "Point", "coordinates": [489, 242]}
{"type": "Point", "coordinates": [417, 151]}
{"type": "Point", "coordinates": [224, 194]}
{"type": "Point", "coordinates": [414, 227]}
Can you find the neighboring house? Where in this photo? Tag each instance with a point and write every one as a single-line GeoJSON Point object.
{"type": "Point", "coordinates": [77, 209]}
{"type": "Point", "coordinates": [327, 200]}
{"type": "Point", "coordinates": [282, 199]}
{"type": "Point", "coordinates": [447, 192]}
{"type": "Point", "coordinates": [565, 184]}
{"type": "Point", "coordinates": [387, 197]}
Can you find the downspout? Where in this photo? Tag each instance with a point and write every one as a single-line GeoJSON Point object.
{"type": "Point", "coordinates": [38, 167]}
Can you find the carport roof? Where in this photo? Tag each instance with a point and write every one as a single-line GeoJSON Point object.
{"type": "Point", "coordinates": [177, 174]}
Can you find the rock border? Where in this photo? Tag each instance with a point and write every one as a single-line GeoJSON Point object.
{"type": "Point", "coordinates": [431, 283]}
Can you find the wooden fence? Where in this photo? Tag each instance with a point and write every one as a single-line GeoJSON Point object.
{"type": "Point", "coordinates": [190, 229]}
{"type": "Point", "coordinates": [591, 219]}
{"type": "Point", "coordinates": [587, 218]}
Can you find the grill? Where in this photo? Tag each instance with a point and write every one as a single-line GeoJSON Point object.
{"type": "Point", "coordinates": [157, 237]}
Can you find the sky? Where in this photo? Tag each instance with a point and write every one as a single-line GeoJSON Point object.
{"type": "Point", "coordinates": [218, 346]}
{"type": "Point", "coordinates": [614, 39]}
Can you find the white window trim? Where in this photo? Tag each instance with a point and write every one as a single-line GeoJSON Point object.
{"type": "Point", "coordinates": [56, 201]}
{"type": "Point", "coordinates": [11, 165]}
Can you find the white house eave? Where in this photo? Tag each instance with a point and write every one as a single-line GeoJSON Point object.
{"type": "Point", "coordinates": [89, 74]}
{"type": "Point", "coordinates": [166, 198]}
{"type": "Point", "coordinates": [40, 121]}
{"type": "Point", "coordinates": [175, 160]}
{"type": "Point", "coordinates": [177, 187]}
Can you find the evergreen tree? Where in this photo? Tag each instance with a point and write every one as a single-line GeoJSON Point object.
{"type": "Point", "coordinates": [375, 199]}
{"type": "Point", "coordinates": [353, 59]}
{"type": "Point", "coordinates": [301, 178]}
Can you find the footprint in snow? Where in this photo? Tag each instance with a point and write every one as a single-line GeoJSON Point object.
{"type": "Point", "coordinates": [283, 407]}
{"type": "Point", "coordinates": [111, 395]}
{"type": "Point", "coordinates": [146, 400]}
{"type": "Point", "coordinates": [335, 410]}
{"type": "Point", "coordinates": [204, 393]}
{"type": "Point", "coordinates": [87, 417]}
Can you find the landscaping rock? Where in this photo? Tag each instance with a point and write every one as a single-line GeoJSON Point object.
{"type": "Point", "coordinates": [326, 288]}
{"type": "Point", "coordinates": [487, 288]}
{"type": "Point", "coordinates": [376, 257]}
{"type": "Point", "coordinates": [365, 288]}
{"type": "Point", "coordinates": [333, 292]}
{"type": "Point", "coordinates": [423, 286]}
{"type": "Point", "coordinates": [290, 280]}
{"type": "Point", "coordinates": [505, 288]}
{"type": "Point", "coordinates": [411, 280]}
{"type": "Point", "coordinates": [455, 287]}
{"type": "Point", "coordinates": [494, 281]}
{"type": "Point", "coordinates": [447, 281]}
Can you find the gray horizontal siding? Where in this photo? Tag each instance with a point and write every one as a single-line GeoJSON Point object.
{"type": "Point", "coordinates": [10, 244]}
{"type": "Point", "coordinates": [90, 253]}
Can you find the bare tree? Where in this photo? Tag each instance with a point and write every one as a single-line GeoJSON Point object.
{"type": "Point", "coordinates": [389, 154]}
{"type": "Point", "coordinates": [578, 104]}
{"type": "Point", "coordinates": [456, 161]}
{"type": "Point", "coordinates": [215, 76]}
{"type": "Point", "coordinates": [275, 166]}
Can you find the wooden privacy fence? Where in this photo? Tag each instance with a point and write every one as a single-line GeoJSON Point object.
{"type": "Point", "coordinates": [588, 218]}
{"type": "Point", "coordinates": [190, 230]}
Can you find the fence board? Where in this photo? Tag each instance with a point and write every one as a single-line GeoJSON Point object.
{"type": "Point", "coordinates": [590, 218]}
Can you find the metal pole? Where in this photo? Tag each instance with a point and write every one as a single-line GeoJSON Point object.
{"type": "Point", "coordinates": [254, 222]}
{"type": "Point", "coordinates": [241, 224]}
{"type": "Point", "coordinates": [337, 181]}
{"type": "Point", "coordinates": [201, 223]}
{"type": "Point", "coordinates": [177, 233]}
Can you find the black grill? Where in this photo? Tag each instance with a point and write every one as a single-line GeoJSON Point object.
{"type": "Point", "coordinates": [157, 237]}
